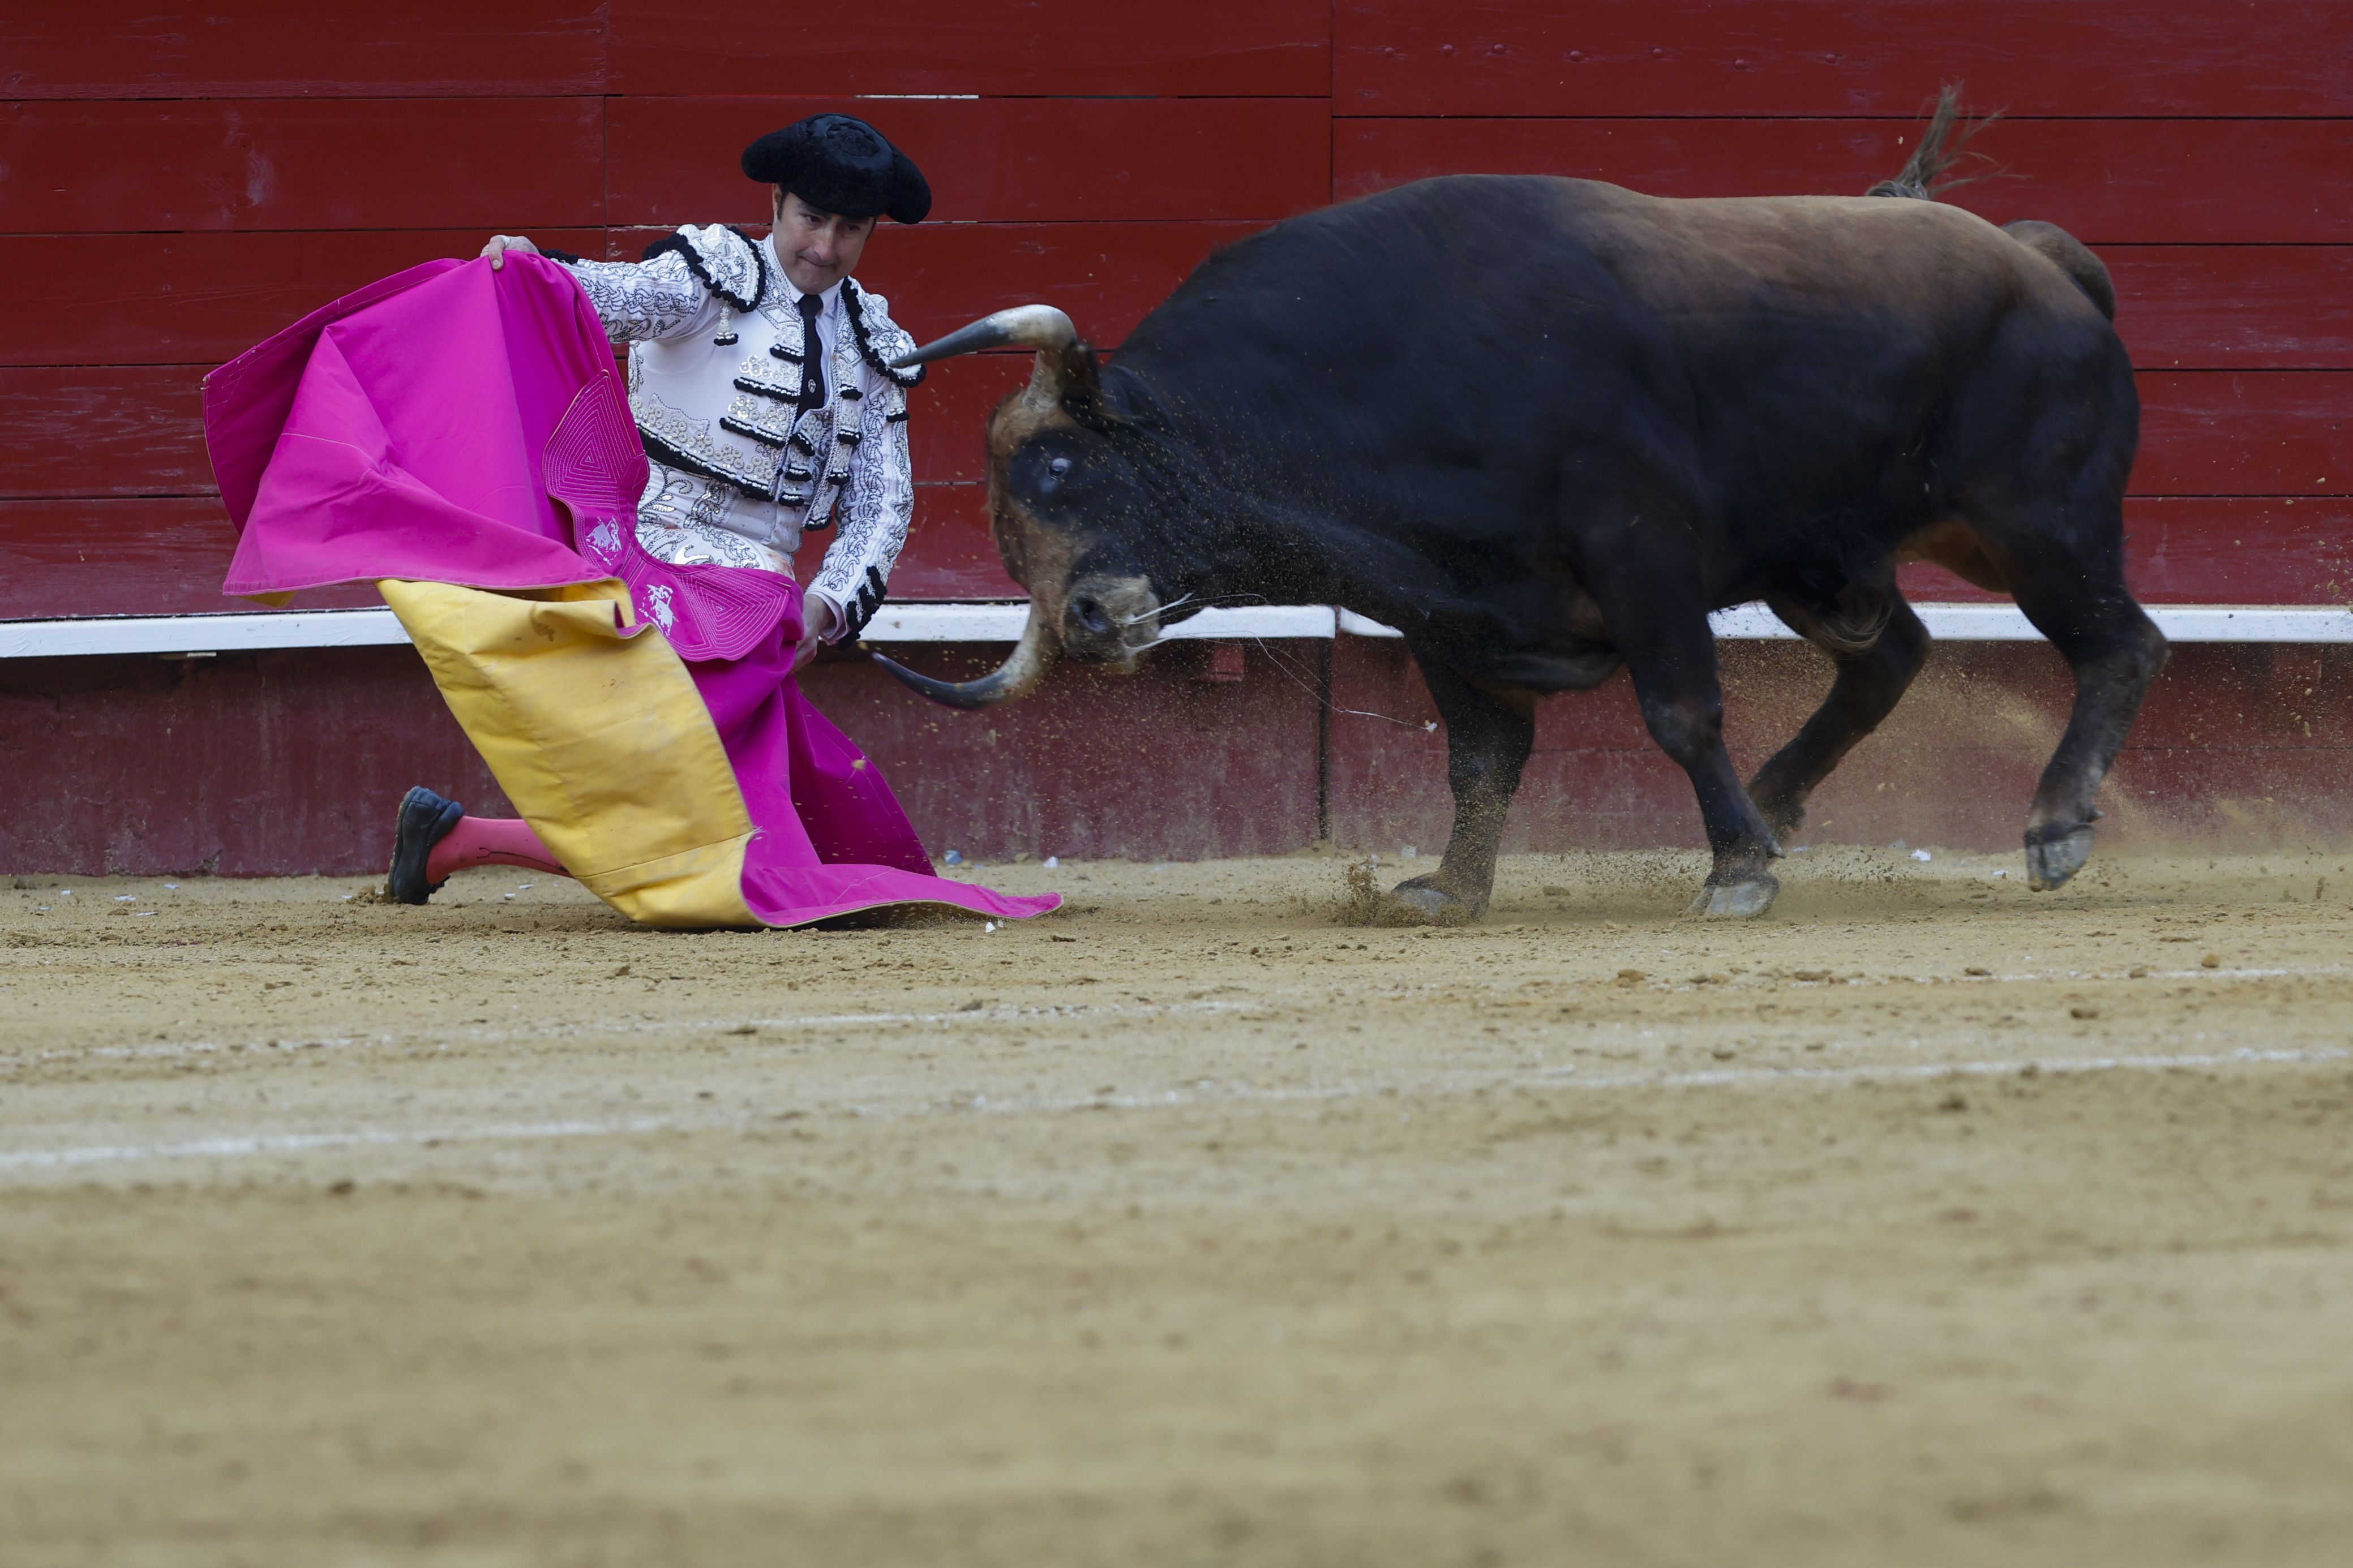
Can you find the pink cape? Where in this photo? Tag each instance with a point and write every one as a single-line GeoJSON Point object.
{"type": "Point", "coordinates": [453, 424]}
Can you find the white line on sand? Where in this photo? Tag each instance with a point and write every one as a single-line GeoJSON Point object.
{"type": "Point", "coordinates": [1271, 1001]}
{"type": "Point", "coordinates": [301, 1142]}
{"type": "Point", "coordinates": [1199, 1093]}
{"type": "Point", "coordinates": [635, 1026]}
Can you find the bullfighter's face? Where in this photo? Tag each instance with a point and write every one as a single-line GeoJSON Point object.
{"type": "Point", "coordinates": [819, 248]}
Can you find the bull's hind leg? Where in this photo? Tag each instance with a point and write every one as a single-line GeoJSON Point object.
{"type": "Point", "coordinates": [1870, 682]}
{"type": "Point", "coordinates": [1489, 734]}
{"type": "Point", "coordinates": [2115, 651]}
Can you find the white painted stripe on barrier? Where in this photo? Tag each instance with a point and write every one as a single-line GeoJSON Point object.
{"type": "Point", "coordinates": [200, 633]}
{"type": "Point", "coordinates": [2007, 622]}
{"type": "Point", "coordinates": [2254, 622]}
{"type": "Point", "coordinates": [920, 621]}
{"type": "Point", "coordinates": [1266, 621]}
{"type": "Point", "coordinates": [946, 623]}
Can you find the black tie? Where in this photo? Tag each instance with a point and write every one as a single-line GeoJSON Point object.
{"type": "Point", "coordinates": [812, 354]}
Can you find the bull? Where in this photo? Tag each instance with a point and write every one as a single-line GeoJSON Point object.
{"type": "Point", "coordinates": [1544, 427]}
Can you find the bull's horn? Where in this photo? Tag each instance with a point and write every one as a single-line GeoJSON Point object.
{"type": "Point", "coordinates": [1039, 326]}
{"type": "Point", "coordinates": [1028, 326]}
{"type": "Point", "coordinates": [1016, 676]}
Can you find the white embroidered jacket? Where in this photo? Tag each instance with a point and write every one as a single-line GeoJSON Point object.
{"type": "Point", "coordinates": [716, 352]}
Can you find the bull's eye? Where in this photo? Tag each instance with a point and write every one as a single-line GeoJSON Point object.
{"type": "Point", "coordinates": [1058, 466]}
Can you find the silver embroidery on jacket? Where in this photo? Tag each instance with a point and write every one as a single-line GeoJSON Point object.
{"type": "Point", "coordinates": [767, 472]}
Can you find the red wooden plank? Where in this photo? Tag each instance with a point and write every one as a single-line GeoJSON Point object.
{"type": "Point", "coordinates": [2240, 307]}
{"type": "Point", "coordinates": [205, 297]}
{"type": "Point", "coordinates": [2108, 181]}
{"type": "Point", "coordinates": [1009, 46]}
{"type": "Point", "coordinates": [2241, 550]}
{"type": "Point", "coordinates": [153, 555]}
{"type": "Point", "coordinates": [201, 299]}
{"type": "Point", "coordinates": [1219, 768]}
{"type": "Point", "coordinates": [162, 556]}
{"type": "Point", "coordinates": [102, 431]}
{"type": "Point", "coordinates": [134, 430]}
{"type": "Point", "coordinates": [948, 417]}
{"type": "Point", "coordinates": [270, 164]}
{"type": "Point", "coordinates": [997, 159]}
{"type": "Point", "coordinates": [2284, 433]}
{"type": "Point", "coordinates": [1105, 277]}
{"type": "Point", "coordinates": [949, 553]}
{"type": "Point", "coordinates": [1841, 57]}
{"type": "Point", "coordinates": [247, 764]}
{"type": "Point", "coordinates": [2212, 550]}
{"type": "Point", "coordinates": [414, 48]}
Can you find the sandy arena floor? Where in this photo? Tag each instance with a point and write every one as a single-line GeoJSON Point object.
{"type": "Point", "coordinates": [1927, 1221]}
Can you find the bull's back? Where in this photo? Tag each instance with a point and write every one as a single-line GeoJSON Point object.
{"type": "Point", "coordinates": [1465, 357]}
{"type": "Point", "coordinates": [1502, 278]}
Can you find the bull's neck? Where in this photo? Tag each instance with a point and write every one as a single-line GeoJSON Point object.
{"type": "Point", "coordinates": [1243, 541]}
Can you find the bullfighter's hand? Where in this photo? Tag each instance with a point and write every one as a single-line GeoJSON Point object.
{"type": "Point", "coordinates": [502, 243]}
{"type": "Point", "coordinates": [817, 623]}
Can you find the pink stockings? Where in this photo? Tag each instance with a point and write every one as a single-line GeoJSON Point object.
{"type": "Point", "coordinates": [489, 841]}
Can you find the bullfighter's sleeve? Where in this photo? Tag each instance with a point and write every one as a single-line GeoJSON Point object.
{"type": "Point", "coordinates": [878, 504]}
{"type": "Point", "coordinates": [642, 301]}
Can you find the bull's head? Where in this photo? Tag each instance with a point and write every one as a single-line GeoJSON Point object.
{"type": "Point", "coordinates": [1069, 506]}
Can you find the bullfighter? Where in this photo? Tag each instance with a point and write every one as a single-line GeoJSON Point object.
{"type": "Point", "coordinates": [613, 616]}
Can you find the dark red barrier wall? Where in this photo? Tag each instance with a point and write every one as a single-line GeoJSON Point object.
{"type": "Point", "coordinates": [178, 181]}
{"type": "Point", "coordinates": [293, 761]}
{"type": "Point", "coordinates": [179, 184]}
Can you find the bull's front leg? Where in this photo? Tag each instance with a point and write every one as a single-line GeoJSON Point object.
{"type": "Point", "coordinates": [1672, 661]}
{"type": "Point", "coordinates": [1489, 733]}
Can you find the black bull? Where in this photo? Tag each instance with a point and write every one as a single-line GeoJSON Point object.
{"type": "Point", "coordinates": [1544, 427]}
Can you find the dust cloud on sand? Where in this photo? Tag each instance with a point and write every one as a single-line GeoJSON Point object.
{"type": "Point", "coordinates": [1927, 1221]}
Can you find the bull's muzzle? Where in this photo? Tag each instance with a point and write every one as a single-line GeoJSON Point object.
{"type": "Point", "coordinates": [1104, 620]}
{"type": "Point", "coordinates": [1109, 620]}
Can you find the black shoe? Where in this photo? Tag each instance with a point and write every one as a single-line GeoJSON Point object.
{"type": "Point", "coordinates": [425, 820]}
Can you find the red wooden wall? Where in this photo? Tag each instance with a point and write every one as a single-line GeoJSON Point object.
{"type": "Point", "coordinates": [177, 181]}
{"type": "Point", "coordinates": [177, 187]}
{"type": "Point", "coordinates": [176, 184]}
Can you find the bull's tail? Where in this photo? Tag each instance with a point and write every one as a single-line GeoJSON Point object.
{"type": "Point", "coordinates": [1928, 172]}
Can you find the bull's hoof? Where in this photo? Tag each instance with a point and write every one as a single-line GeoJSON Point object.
{"type": "Point", "coordinates": [2049, 861]}
{"type": "Point", "coordinates": [1421, 902]}
{"type": "Point", "coordinates": [1741, 898]}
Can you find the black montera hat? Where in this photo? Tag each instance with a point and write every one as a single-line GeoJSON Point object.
{"type": "Point", "coordinates": [842, 165]}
